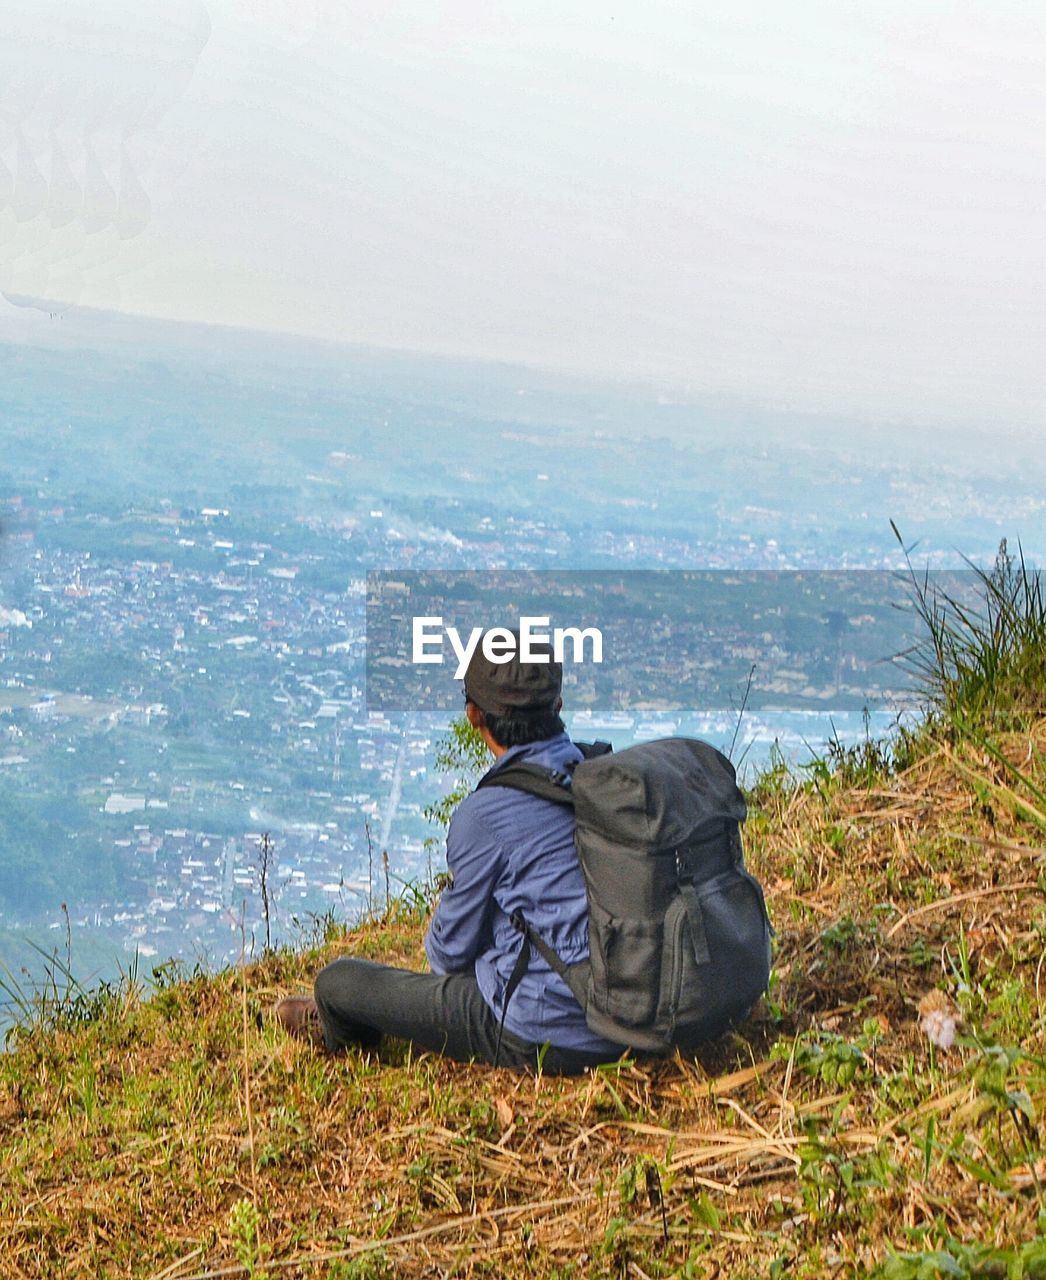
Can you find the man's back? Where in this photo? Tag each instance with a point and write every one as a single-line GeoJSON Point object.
{"type": "Point", "coordinates": [510, 852]}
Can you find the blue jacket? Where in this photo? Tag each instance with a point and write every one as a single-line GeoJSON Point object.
{"type": "Point", "coordinates": [506, 852]}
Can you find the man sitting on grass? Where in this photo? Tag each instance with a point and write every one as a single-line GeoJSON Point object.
{"type": "Point", "coordinates": [507, 852]}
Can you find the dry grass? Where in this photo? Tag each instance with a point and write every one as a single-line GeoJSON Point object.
{"type": "Point", "coordinates": [182, 1137]}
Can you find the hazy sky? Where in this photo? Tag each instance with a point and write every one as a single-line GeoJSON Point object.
{"type": "Point", "coordinates": [832, 206]}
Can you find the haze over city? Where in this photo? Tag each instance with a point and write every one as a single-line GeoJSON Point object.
{"type": "Point", "coordinates": [816, 208]}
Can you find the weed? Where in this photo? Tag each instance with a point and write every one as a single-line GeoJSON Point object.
{"type": "Point", "coordinates": [317, 929]}
{"type": "Point", "coordinates": [981, 661]}
{"type": "Point", "coordinates": [831, 1058]}
{"type": "Point", "coordinates": [59, 1001]}
{"type": "Point", "coordinates": [967, 1262]}
{"type": "Point", "coordinates": [245, 1229]}
{"type": "Point", "coordinates": [920, 955]}
{"type": "Point", "coordinates": [650, 1177]}
{"type": "Point", "coordinates": [861, 764]}
{"type": "Point", "coordinates": [266, 866]}
{"type": "Point", "coordinates": [775, 782]}
{"type": "Point", "coordinates": [372, 1265]}
{"type": "Point", "coordinates": [826, 1180]}
{"type": "Point", "coordinates": [841, 935]}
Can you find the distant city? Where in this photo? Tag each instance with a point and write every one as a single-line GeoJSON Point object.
{"type": "Point", "coordinates": [183, 565]}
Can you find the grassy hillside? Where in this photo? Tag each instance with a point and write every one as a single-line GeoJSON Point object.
{"type": "Point", "coordinates": [176, 1134]}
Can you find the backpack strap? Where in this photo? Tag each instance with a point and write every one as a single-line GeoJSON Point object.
{"type": "Point", "coordinates": [551, 957]}
{"type": "Point", "coordinates": [688, 859]}
{"type": "Point", "coordinates": [534, 779]}
{"type": "Point", "coordinates": [537, 780]}
{"type": "Point", "coordinates": [546, 784]}
{"type": "Point", "coordinates": [696, 917]}
{"type": "Point", "coordinates": [530, 937]}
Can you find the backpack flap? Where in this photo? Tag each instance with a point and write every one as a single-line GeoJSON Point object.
{"type": "Point", "coordinates": [657, 795]}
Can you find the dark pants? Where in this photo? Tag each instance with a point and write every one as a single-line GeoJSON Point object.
{"type": "Point", "coordinates": [360, 1001]}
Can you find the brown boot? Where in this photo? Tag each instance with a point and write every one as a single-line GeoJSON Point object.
{"type": "Point", "coordinates": [298, 1016]}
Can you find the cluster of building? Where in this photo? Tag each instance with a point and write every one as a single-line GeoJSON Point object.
{"type": "Point", "coordinates": [189, 685]}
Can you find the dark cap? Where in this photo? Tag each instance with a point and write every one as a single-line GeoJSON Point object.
{"type": "Point", "coordinates": [513, 687]}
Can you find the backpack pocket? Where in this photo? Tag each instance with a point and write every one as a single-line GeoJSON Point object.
{"type": "Point", "coordinates": [700, 999]}
{"type": "Point", "coordinates": [625, 955]}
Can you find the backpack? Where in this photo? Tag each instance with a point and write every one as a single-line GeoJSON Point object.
{"type": "Point", "coordinates": [679, 937]}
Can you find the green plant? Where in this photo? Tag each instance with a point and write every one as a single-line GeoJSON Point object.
{"type": "Point", "coordinates": [855, 764]}
{"type": "Point", "coordinates": [372, 1265]}
{"type": "Point", "coordinates": [920, 954]}
{"type": "Point", "coordinates": [316, 929]}
{"type": "Point", "coordinates": [59, 1001]}
{"type": "Point", "coordinates": [463, 755]}
{"type": "Point", "coordinates": [830, 1057]}
{"type": "Point", "coordinates": [650, 1176]}
{"type": "Point", "coordinates": [245, 1229]}
{"type": "Point", "coordinates": [644, 1173]}
{"type": "Point", "coordinates": [841, 935]}
{"type": "Point", "coordinates": [771, 998]}
{"type": "Point", "coordinates": [994, 1071]}
{"type": "Point", "coordinates": [980, 661]}
{"type": "Point", "coordinates": [954, 1258]}
{"type": "Point", "coordinates": [775, 781]}
{"type": "Point", "coordinates": [833, 1181]}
